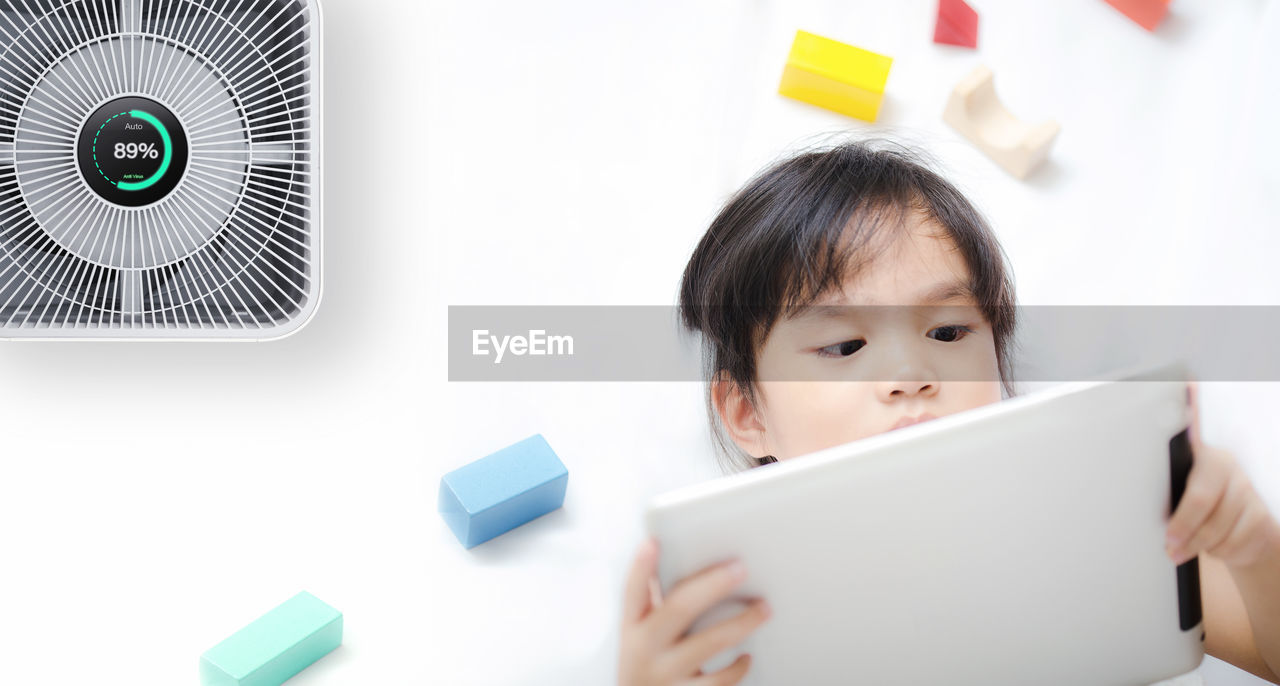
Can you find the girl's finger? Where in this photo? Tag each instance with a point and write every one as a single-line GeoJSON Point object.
{"type": "Point", "coordinates": [1193, 402]}
{"type": "Point", "coordinates": [1246, 540]}
{"type": "Point", "coordinates": [693, 596]}
{"type": "Point", "coordinates": [635, 599]}
{"type": "Point", "coordinates": [1218, 525]}
{"type": "Point", "coordinates": [689, 654]}
{"type": "Point", "coordinates": [728, 676]}
{"type": "Point", "coordinates": [1205, 486]}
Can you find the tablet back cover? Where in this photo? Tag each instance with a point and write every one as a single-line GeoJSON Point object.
{"type": "Point", "coordinates": [1021, 542]}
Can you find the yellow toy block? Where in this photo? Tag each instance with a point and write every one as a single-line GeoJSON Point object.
{"type": "Point", "coordinates": [834, 75]}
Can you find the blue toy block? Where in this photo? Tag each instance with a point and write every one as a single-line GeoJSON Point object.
{"type": "Point", "coordinates": [275, 646]}
{"type": "Point", "coordinates": [495, 494]}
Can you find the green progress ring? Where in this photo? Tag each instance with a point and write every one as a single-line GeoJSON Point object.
{"type": "Point", "coordinates": [164, 162]}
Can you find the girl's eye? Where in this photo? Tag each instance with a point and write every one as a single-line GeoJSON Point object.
{"type": "Point", "coordinates": [953, 333]}
{"type": "Point", "coordinates": [946, 334]}
{"type": "Point", "coordinates": [844, 349]}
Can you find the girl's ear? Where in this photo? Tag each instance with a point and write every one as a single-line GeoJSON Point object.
{"type": "Point", "coordinates": [738, 416]}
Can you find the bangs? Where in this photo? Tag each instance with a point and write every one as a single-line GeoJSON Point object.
{"type": "Point", "coordinates": [825, 257]}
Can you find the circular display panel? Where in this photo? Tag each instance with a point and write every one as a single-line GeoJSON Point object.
{"type": "Point", "coordinates": [132, 151]}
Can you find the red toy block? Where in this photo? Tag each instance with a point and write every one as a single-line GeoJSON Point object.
{"type": "Point", "coordinates": [957, 24]}
{"type": "Point", "coordinates": [1147, 13]}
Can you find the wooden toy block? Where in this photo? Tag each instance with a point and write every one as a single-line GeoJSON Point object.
{"type": "Point", "coordinates": [275, 646]}
{"type": "Point", "coordinates": [839, 77]}
{"type": "Point", "coordinates": [976, 112]}
{"type": "Point", "coordinates": [1147, 13]}
{"type": "Point", "coordinates": [957, 24]}
{"type": "Point", "coordinates": [498, 493]}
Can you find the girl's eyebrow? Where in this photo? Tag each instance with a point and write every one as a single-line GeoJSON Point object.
{"type": "Point", "coordinates": [947, 290]}
{"type": "Point", "coordinates": [834, 307]}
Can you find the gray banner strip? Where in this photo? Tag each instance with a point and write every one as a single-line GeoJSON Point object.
{"type": "Point", "coordinates": [1051, 343]}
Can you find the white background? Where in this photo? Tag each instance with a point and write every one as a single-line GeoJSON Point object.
{"type": "Point", "coordinates": [156, 497]}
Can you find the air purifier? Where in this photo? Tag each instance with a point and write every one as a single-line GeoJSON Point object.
{"type": "Point", "coordinates": [160, 168]}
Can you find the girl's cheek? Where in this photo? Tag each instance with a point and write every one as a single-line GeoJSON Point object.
{"type": "Point", "coordinates": [829, 414]}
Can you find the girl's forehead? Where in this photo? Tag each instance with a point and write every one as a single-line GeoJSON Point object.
{"type": "Point", "coordinates": [918, 265]}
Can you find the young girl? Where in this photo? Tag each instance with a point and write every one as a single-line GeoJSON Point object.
{"type": "Point", "coordinates": [777, 289]}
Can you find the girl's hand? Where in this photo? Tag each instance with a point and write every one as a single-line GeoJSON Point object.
{"type": "Point", "coordinates": [656, 649]}
{"type": "Point", "coordinates": [1220, 512]}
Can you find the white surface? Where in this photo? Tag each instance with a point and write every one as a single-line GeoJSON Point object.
{"type": "Point", "coordinates": [155, 498]}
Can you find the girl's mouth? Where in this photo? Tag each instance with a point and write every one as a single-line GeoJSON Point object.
{"type": "Point", "coordinates": [908, 421]}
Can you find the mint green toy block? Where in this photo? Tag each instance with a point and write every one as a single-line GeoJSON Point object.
{"type": "Point", "coordinates": [276, 646]}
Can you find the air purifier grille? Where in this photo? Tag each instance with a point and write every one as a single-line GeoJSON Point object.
{"type": "Point", "coordinates": [158, 168]}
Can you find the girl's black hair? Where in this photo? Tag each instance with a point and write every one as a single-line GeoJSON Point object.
{"type": "Point", "coordinates": [802, 225]}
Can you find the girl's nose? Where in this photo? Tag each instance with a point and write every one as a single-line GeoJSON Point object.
{"type": "Point", "coordinates": [906, 376]}
{"type": "Point", "coordinates": [889, 390]}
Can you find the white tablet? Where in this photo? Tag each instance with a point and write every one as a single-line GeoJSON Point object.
{"type": "Point", "coordinates": [1016, 543]}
